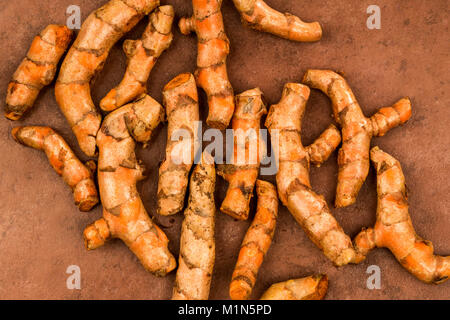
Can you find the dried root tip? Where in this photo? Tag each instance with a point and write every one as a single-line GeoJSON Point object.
{"type": "Point", "coordinates": [186, 25]}
{"type": "Point", "coordinates": [323, 147]}
{"type": "Point", "coordinates": [96, 234]}
{"type": "Point", "coordinates": [364, 242]}
{"type": "Point", "coordinates": [390, 117]}
{"type": "Point", "coordinates": [85, 194]}
{"type": "Point", "coordinates": [309, 288]}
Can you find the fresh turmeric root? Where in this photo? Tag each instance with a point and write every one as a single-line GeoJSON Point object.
{"type": "Point", "coordinates": [197, 249]}
{"type": "Point", "coordinates": [181, 102]}
{"type": "Point", "coordinates": [124, 215]}
{"type": "Point", "coordinates": [394, 229]}
{"type": "Point", "coordinates": [309, 288]}
{"type": "Point", "coordinates": [357, 130]}
{"type": "Point", "coordinates": [256, 243]}
{"type": "Point", "coordinates": [294, 188]}
{"type": "Point", "coordinates": [63, 160]}
{"type": "Point", "coordinates": [37, 69]}
{"type": "Point", "coordinates": [259, 16]}
{"type": "Point", "coordinates": [101, 30]}
{"type": "Point", "coordinates": [142, 56]}
{"type": "Point", "coordinates": [248, 147]}
{"type": "Point", "coordinates": [213, 49]}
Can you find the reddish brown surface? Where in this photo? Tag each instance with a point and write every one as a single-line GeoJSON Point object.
{"type": "Point", "coordinates": [41, 229]}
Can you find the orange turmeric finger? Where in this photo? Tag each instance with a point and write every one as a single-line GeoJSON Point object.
{"type": "Point", "coordinates": [309, 288]}
{"type": "Point", "coordinates": [213, 49]}
{"type": "Point", "coordinates": [142, 56]}
{"type": "Point", "coordinates": [242, 173]}
{"type": "Point", "coordinates": [124, 215]}
{"type": "Point", "coordinates": [259, 16]}
{"type": "Point", "coordinates": [394, 229]}
{"type": "Point", "coordinates": [37, 70]}
{"type": "Point", "coordinates": [256, 243]}
{"type": "Point", "coordinates": [357, 130]}
{"type": "Point", "coordinates": [63, 160]}
{"type": "Point", "coordinates": [181, 102]}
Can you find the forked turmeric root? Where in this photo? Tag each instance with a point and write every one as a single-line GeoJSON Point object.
{"type": "Point", "coordinates": [357, 130]}
{"type": "Point", "coordinates": [37, 69]}
{"type": "Point", "coordinates": [64, 161]}
{"type": "Point", "coordinates": [394, 229]}
{"type": "Point", "coordinates": [142, 56]}
{"type": "Point", "coordinates": [124, 215]}
{"type": "Point", "coordinates": [309, 288]}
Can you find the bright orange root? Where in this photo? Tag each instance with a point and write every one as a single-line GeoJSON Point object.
{"type": "Point", "coordinates": [309, 288]}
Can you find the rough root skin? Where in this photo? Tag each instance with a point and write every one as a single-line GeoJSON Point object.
{"type": "Point", "coordinates": [357, 130]}
{"type": "Point", "coordinates": [124, 215]}
{"type": "Point", "coordinates": [256, 242]}
{"type": "Point", "coordinates": [197, 244]}
{"type": "Point", "coordinates": [37, 70]}
{"type": "Point", "coordinates": [309, 288]}
{"type": "Point", "coordinates": [63, 160]}
{"type": "Point", "coordinates": [394, 229]}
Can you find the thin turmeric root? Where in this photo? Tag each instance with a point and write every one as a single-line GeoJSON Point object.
{"type": "Point", "coordinates": [181, 102]}
{"type": "Point", "coordinates": [213, 49]}
{"type": "Point", "coordinates": [142, 56]}
{"type": "Point", "coordinates": [357, 130]}
{"type": "Point", "coordinates": [124, 215]}
{"type": "Point", "coordinates": [63, 160]}
{"type": "Point", "coordinates": [101, 30]}
{"type": "Point", "coordinates": [37, 70]}
{"type": "Point", "coordinates": [308, 208]}
{"type": "Point", "coordinates": [394, 229]}
{"type": "Point", "coordinates": [197, 249]}
{"type": "Point", "coordinates": [259, 16]}
{"type": "Point", "coordinates": [248, 147]}
{"type": "Point", "coordinates": [309, 288]}
{"type": "Point", "coordinates": [256, 243]}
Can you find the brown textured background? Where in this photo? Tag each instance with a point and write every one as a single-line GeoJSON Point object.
{"type": "Point", "coordinates": [41, 229]}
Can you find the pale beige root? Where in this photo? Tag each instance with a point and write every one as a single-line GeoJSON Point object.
{"type": "Point", "coordinates": [294, 188]}
{"type": "Point", "coordinates": [142, 56]}
{"type": "Point", "coordinates": [394, 229]}
{"type": "Point", "coordinates": [101, 30]}
{"type": "Point", "coordinates": [181, 102]}
{"type": "Point", "coordinates": [259, 16]}
{"type": "Point", "coordinates": [78, 176]}
{"type": "Point", "coordinates": [357, 130]}
{"type": "Point", "coordinates": [256, 242]}
{"type": "Point", "coordinates": [248, 149]}
{"type": "Point", "coordinates": [37, 69]}
{"type": "Point", "coordinates": [309, 288]}
{"type": "Point", "coordinates": [197, 244]}
{"type": "Point", "coordinates": [124, 215]}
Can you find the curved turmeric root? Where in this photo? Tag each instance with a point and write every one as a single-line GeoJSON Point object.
{"type": "Point", "coordinates": [259, 16]}
{"type": "Point", "coordinates": [101, 30]}
{"type": "Point", "coordinates": [37, 70]}
{"type": "Point", "coordinates": [256, 243]}
{"type": "Point", "coordinates": [197, 244]}
{"type": "Point", "coordinates": [308, 208]}
{"type": "Point", "coordinates": [181, 102]}
{"type": "Point", "coordinates": [213, 49]}
{"type": "Point", "coordinates": [394, 229]}
{"type": "Point", "coordinates": [64, 161]}
{"type": "Point", "coordinates": [124, 215]}
{"type": "Point", "coordinates": [357, 130]}
{"type": "Point", "coordinates": [248, 147]}
{"type": "Point", "coordinates": [142, 56]}
{"type": "Point", "coordinates": [309, 288]}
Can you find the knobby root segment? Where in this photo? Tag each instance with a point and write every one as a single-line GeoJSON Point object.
{"type": "Point", "coordinates": [64, 161]}
{"type": "Point", "coordinates": [181, 102]}
{"type": "Point", "coordinates": [309, 288]}
{"type": "Point", "coordinates": [37, 70]}
{"type": "Point", "coordinates": [394, 229]}
{"type": "Point", "coordinates": [124, 215]}
{"type": "Point", "coordinates": [101, 30]}
{"type": "Point", "coordinates": [197, 244]}
{"type": "Point", "coordinates": [357, 130]}
{"type": "Point", "coordinates": [142, 55]}
{"type": "Point", "coordinates": [256, 243]}
{"type": "Point", "coordinates": [259, 16]}
{"type": "Point", "coordinates": [308, 208]}
{"type": "Point", "coordinates": [249, 147]}
{"type": "Point", "coordinates": [213, 49]}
